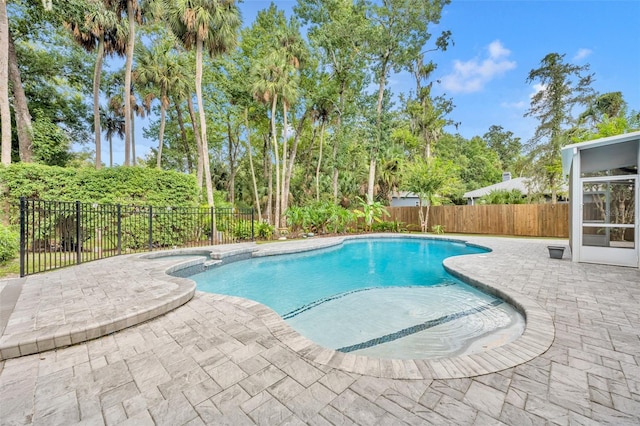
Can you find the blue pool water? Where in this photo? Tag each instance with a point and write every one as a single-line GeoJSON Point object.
{"type": "Point", "coordinates": [389, 298]}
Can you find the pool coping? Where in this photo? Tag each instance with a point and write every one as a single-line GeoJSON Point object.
{"type": "Point", "coordinates": [132, 306]}
{"type": "Point", "coordinates": [536, 338]}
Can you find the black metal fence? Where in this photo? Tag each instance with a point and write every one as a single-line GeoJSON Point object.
{"type": "Point", "coordinates": [55, 234]}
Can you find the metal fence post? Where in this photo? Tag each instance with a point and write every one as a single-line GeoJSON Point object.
{"type": "Point", "coordinates": [253, 238]}
{"type": "Point", "coordinates": [150, 228]}
{"type": "Point", "coordinates": [213, 224]}
{"type": "Point", "coordinates": [78, 233]}
{"type": "Point", "coordinates": [23, 237]}
{"type": "Point", "coordinates": [119, 229]}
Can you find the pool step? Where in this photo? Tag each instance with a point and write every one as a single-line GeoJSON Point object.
{"type": "Point", "coordinates": [223, 253]}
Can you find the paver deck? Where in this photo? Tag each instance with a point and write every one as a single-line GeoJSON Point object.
{"type": "Point", "coordinates": [198, 358]}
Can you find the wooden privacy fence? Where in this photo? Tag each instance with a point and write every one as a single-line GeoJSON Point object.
{"type": "Point", "coordinates": [531, 220]}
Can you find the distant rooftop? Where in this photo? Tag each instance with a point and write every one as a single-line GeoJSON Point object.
{"type": "Point", "coordinates": [521, 183]}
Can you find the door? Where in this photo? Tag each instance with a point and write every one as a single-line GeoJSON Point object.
{"type": "Point", "coordinates": [609, 215]}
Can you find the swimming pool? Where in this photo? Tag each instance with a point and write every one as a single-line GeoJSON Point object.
{"type": "Point", "coordinates": [385, 298]}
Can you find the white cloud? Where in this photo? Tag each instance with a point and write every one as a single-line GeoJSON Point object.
{"type": "Point", "coordinates": [582, 53]}
{"type": "Point", "coordinates": [538, 88]}
{"type": "Point", "coordinates": [473, 75]}
{"type": "Point", "coordinates": [514, 105]}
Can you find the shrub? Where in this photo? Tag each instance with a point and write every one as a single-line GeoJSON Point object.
{"type": "Point", "coordinates": [115, 185]}
{"type": "Point", "coordinates": [502, 196]}
{"type": "Point", "coordinates": [370, 213]}
{"type": "Point", "coordinates": [264, 230]}
{"type": "Point", "coordinates": [9, 244]}
{"type": "Point", "coordinates": [437, 229]}
{"type": "Point", "coordinates": [319, 217]}
{"type": "Point", "coordinates": [242, 230]}
{"type": "Point", "coordinates": [388, 226]}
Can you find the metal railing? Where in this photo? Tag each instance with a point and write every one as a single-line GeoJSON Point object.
{"type": "Point", "coordinates": [55, 234]}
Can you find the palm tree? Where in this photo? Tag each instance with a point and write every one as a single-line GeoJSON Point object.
{"type": "Point", "coordinates": [268, 78]}
{"type": "Point", "coordinates": [204, 24]}
{"type": "Point", "coordinates": [132, 10]}
{"type": "Point", "coordinates": [324, 108]}
{"type": "Point", "coordinates": [113, 124]}
{"type": "Point", "coordinates": [160, 68]}
{"type": "Point", "coordinates": [292, 49]}
{"type": "Point", "coordinates": [276, 76]}
{"type": "Point", "coordinates": [182, 90]}
{"type": "Point", "coordinates": [101, 30]}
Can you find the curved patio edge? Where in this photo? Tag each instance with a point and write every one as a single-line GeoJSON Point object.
{"type": "Point", "coordinates": [41, 323]}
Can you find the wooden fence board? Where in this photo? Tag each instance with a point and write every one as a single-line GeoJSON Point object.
{"type": "Point", "coordinates": [531, 220]}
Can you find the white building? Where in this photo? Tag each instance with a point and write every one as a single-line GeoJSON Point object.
{"type": "Point", "coordinates": [405, 199]}
{"type": "Point", "coordinates": [603, 189]}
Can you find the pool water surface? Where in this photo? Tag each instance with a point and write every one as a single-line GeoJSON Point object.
{"type": "Point", "coordinates": [385, 298]}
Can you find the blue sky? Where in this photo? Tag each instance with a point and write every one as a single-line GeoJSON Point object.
{"type": "Point", "coordinates": [497, 44]}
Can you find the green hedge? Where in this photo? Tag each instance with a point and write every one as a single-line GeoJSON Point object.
{"type": "Point", "coordinates": [9, 244]}
{"type": "Point", "coordinates": [115, 185]}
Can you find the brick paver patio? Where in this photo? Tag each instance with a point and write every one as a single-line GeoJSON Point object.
{"type": "Point", "coordinates": [198, 358]}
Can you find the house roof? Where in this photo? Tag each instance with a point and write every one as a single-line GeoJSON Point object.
{"type": "Point", "coordinates": [522, 184]}
{"type": "Point", "coordinates": [403, 194]}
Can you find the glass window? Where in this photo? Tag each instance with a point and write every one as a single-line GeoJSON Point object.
{"type": "Point", "coordinates": [609, 202]}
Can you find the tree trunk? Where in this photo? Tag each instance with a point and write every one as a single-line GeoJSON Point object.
{"type": "Point", "coordinates": [283, 196]}
{"type": "Point", "coordinates": [292, 158]}
{"type": "Point", "coordinates": [97, 72]}
{"type": "Point", "coordinates": [270, 194]}
{"type": "Point", "coordinates": [20, 107]}
{"type": "Point", "coordinates": [276, 216]}
{"type": "Point", "coordinates": [319, 160]}
{"type": "Point", "coordinates": [110, 150]}
{"type": "Point", "coordinates": [161, 132]}
{"type": "Point", "coordinates": [426, 217]}
{"type": "Point", "coordinates": [5, 113]}
{"type": "Point", "coordinates": [133, 138]}
{"type": "Point", "coordinates": [203, 125]}
{"type": "Point", "coordinates": [196, 135]}
{"type": "Point", "coordinates": [128, 130]}
{"type": "Point", "coordinates": [336, 145]}
{"type": "Point", "coordinates": [183, 136]}
{"type": "Point", "coordinates": [374, 149]}
{"type": "Point", "coordinates": [232, 163]}
{"type": "Point", "coordinates": [253, 173]}
{"type": "Point", "coordinates": [372, 179]}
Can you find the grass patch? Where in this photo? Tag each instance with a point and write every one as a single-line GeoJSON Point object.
{"type": "Point", "coordinates": [10, 269]}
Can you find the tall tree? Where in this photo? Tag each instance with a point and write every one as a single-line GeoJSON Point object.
{"type": "Point", "coordinates": [159, 67]}
{"type": "Point", "coordinates": [99, 30]}
{"type": "Point", "coordinates": [5, 114]}
{"type": "Point", "coordinates": [329, 21]}
{"type": "Point", "coordinates": [112, 123]}
{"type": "Point", "coordinates": [506, 145]}
{"type": "Point", "coordinates": [132, 10]}
{"type": "Point", "coordinates": [24, 126]}
{"type": "Point", "coordinates": [210, 25]}
{"type": "Point", "coordinates": [563, 86]}
{"type": "Point", "coordinates": [267, 82]}
{"type": "Point", "coordinates": [428, 115]}
{"type": "Point", "coordinates": [398, 33]}
{"type": "Point", "coordinates": [275, 77]}
{"type": "Point", "coordinates": [430, 179]}
{"type": "Point", "coordinates": [608, 105]}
